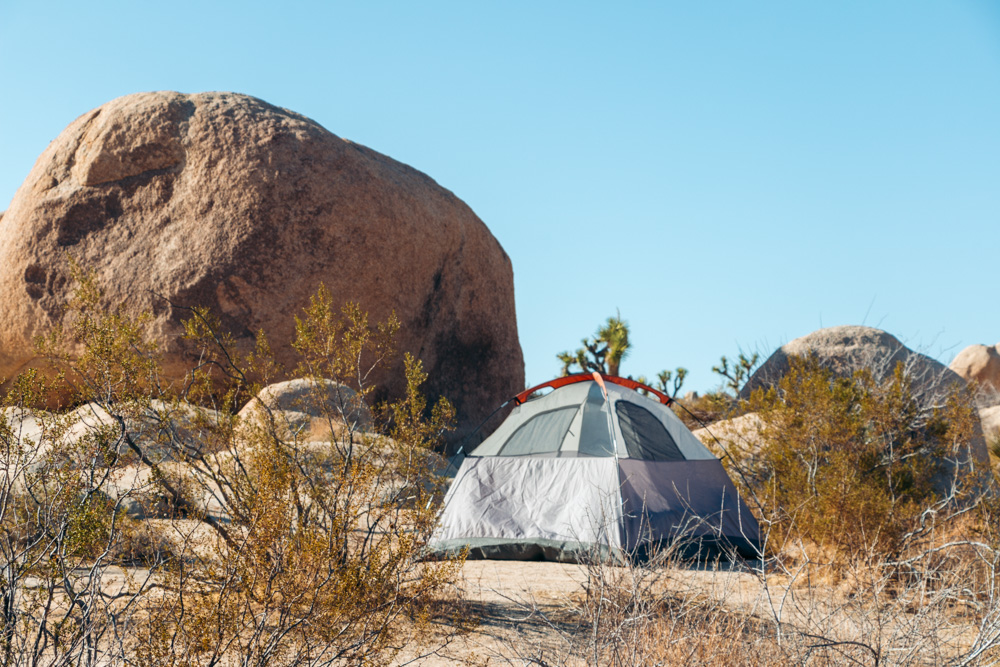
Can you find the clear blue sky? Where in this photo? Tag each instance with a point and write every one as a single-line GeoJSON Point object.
{"type": "Point", "coordinates": [727, 174]}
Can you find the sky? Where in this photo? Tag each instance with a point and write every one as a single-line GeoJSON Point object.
{"type": "Point", "coordinates": [725, 175]}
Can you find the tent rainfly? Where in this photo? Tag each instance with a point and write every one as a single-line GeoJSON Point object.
{"type": "Point", "coordinates": [593, 468]}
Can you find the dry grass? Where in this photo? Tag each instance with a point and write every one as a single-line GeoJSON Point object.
{"type": "Point", "coordinates": [939, 607]}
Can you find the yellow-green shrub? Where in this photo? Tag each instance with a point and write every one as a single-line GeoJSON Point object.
{"type": "Point", "coordinates": [851, 462]}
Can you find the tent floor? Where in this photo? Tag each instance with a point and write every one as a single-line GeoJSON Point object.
{"type": "Point", "coordinates": [696, 549]}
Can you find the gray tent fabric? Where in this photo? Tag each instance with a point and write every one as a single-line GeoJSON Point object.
{"type": "Point", "coordinates": [589, 471]}
{"type": "Point", "coordinates": [692, 500]}
{"type": "Point", "coordinates": [516, 501]}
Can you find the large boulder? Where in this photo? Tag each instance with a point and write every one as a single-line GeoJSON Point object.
{"type": "Point", "coordinates": [224, 201]}
{"type": "Point", "coordinates": [979, 363]}
{"type": "Point", "coordinates": [845, 349]}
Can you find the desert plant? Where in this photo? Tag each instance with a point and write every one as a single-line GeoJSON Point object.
{"type": "Point", "coordinates": [605, 351]}
{"type": "Point", "coordinates": [279, 546]}
{"type": "Point", "coordinates": [735, 374]}
{"type": "Point", "coordinates": [853, 463]}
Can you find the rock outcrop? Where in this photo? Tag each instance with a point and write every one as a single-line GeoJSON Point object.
{"type": "Point", "coordinates": [979, 363]}
{"type": "Point", "coordinates": [225, 201]}
{"type": "Point", "coordinates": [845, 349]}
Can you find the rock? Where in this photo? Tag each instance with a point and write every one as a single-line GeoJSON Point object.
{"type": "Point", "coordinates": [162, 429]}
{"type": "Point", "coordinates": [846, 349]}
{"type": "Point", "coordinates": [138, 494]}
{"type": "Point", "coordinates": [29, 430]}
{"type": "Point", "coordinates": [26, 426]}
{"type": "Point", "coordinates": [981, 364]}
{"type": "Point", "coordinates": [990, 417]}
{"type": "Point", "coordinates": [739, 437]}
{"type": "Point", "coordinates": [87, 421]}
{"type": "Point", "coordinates": [307, 407]}
{"type": "Point", "coordinates": [134, 490]}
{"type": "Point", "coordinates": [166, 427]}
{"type": "Point", "coordinates": [224, 201]}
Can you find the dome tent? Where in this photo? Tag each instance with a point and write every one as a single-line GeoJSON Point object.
{"type": "Point", "coordinates": [592, 467]}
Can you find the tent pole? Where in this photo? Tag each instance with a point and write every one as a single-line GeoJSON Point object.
{"type": "Point", "coordinates": [618, 466]}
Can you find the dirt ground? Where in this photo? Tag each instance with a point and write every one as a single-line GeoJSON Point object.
{"type": "Point", "coordinates": [526, 610]}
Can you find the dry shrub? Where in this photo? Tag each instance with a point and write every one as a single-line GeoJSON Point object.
{"type": "Point", "coordinates": [275, 550]}
{"type": "Point", "coordinates": [852, 463]}
{"type": "Point", "coordinates": [705, 409]}
{"type": "Point", "coordinates": [643, 614]}
{"type": "Point", "coordinates": [940, 606]}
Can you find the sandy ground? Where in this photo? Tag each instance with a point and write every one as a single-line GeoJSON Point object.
{"type": "Point", "coordinates": [525, 609]}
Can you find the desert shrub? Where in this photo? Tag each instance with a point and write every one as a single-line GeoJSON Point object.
{"type": "Point", "coordinates": [276, 546]}
{"type": "Point", "coordinates": [851, 463]}
{"type": "Point", "coordinates": [700, 411]}
{"type": "Point", "coordinates": [642, 614]}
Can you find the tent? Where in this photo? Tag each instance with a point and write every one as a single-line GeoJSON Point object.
{"type": "Point", "coordinates": [593, 467]}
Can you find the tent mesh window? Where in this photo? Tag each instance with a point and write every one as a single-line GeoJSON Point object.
{"type": "Point", "coordinates": [542, 434]}
{"type": "Point", "coordinates": [645, 436]}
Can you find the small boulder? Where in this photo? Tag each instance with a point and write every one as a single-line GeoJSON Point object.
{"type": "Point", "coordinates": [310, 409]}
{"type": "Point", "coordinates": [135, 488]}
{"type": "Point", "coordinates": [990, 417]}
{"type": "Point", "coordinates": [739, 437]}
{"type": "Point", "coordinates": [981, 364]}
{"type": "Point", "coordinates": [164, 431]}
{"type": "Point", "coordinates": [26, 426]}
{"type": "Point", "coordinates": [29, 432]}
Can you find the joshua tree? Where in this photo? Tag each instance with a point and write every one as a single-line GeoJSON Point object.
{"type": "Point", "coordinates": [604, 352]}
{"type": "Point", "coordinates": [737, 374]}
